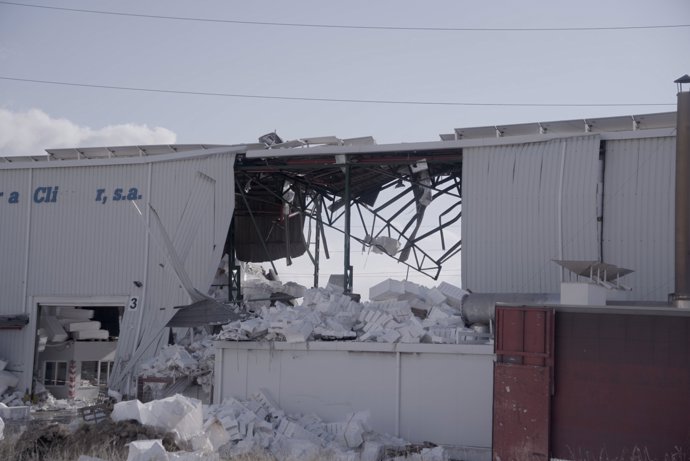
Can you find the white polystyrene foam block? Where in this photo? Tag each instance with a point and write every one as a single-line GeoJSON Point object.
{"type": "Point", "coordinates": [454, 294]}
{"type": "Point", "coordinates": [131, 409]}
{"type": "Point", "coordinates": [83, 326]}
{"type": "Point", "coordinates": [147, 450]}
{"type": "Point", "coordinates": [54, 330]}
{"type": "Point", "coordinates": [183, 416]}
{"type": "Point", "coordinates": [91, 334]}
{"type": "Point", "coordinates": [435, 296]}
{"type": "Point", "coordinates": [74, 313]}
{"type": "Point", "coordinates": [388, 289]}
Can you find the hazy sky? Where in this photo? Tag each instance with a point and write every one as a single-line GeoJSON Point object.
{"type": "Point", "coordinates": [628, 66]}
{"type": "Point", "coordinates": [605, 66]}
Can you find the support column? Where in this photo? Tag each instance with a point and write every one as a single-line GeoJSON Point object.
{"type": "Point", "coordinates": [347, 269]}
{"type": "Point", "coordinates": [317, 242]}
{"type": "Point", "coordinates": [682, 231]}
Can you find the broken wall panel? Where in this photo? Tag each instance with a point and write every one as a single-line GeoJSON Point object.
{"type": "Point", "coordinates": [73, 230]}
{"type": "Point", "coordinates": [211, 179]}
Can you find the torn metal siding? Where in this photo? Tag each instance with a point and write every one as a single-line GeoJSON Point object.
{"type": "Point", "coordinates": [525, 205]}
{"type": "Point", "coordinates": [76, 234]}
{"type": "Point", "coordinates": [639, 198]}
{"type": "Point", "coordinates": [195, 202]}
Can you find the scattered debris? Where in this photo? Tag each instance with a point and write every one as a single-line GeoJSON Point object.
{"type": "Point", "coordinates": [398, 311]}
{"type": "Point", "coordinates": [258, 427]}
{"type": "Point", "coordinates": [105, 440]}
{"type": "Point", "coordinates": [9, 397]}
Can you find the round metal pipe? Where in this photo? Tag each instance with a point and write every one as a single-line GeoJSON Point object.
{"type": "Point", "coordinates": [480, 307]}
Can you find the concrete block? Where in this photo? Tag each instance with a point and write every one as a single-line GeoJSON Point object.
{"type": "Point", "coordinates": [583, 293]}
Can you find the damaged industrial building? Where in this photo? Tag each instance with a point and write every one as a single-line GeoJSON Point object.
{"type": "Point", "coordinates": [110, 254]}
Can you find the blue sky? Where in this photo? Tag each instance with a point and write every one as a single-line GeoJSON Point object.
{"type": "Point", "coordinates": [631, 66]}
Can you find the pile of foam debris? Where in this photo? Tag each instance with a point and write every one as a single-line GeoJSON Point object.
{"type": "Point", "coordinates": [397, 311]}
{"type": "Point", "coordinates": [9, 395]}
{"type": "Point", "coordinates": [192, 357]}
{"type": "Point", "coordinates": [258, 427]}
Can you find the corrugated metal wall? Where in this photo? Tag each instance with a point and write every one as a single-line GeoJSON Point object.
{"type": "Point", "coordinates": [195, 201]}
{"type": "Point", "coordinates": [80, 246]}
{"type": "Point", "coordinates": [86, 237]}
{"type": "Point", "coordinates": [639, 198]}
{"type": "Point", "coordinates": [13, 240]}
{"type": "Point", "coordinates": [525, 205]}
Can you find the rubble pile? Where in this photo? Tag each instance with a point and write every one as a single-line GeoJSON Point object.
{"type": "Point", "coordinates": [9, 396]}
{"type": "Point", "coordinates": [190, 358]}
{"type": "Point", "coordinates": [258, 426]}
{"type": "Point", "coordinates": [398, 312]}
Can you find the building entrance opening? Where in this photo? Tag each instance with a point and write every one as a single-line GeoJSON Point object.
{"type": "Point", "coordinates": [75, 349]}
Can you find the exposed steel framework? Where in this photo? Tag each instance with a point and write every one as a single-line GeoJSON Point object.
{"type": "Point", "coordinates": [277, 197]}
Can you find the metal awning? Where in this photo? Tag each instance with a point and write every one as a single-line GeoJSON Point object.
{"type": "Point", "coordinates": [204, 312]}
{"type": "Point", "coordinates": [13, 322]}
{"type": "Point", "coordinates": [594, 269]}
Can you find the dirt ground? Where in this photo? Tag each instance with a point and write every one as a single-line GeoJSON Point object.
{"type": "Point", "coordinates": [53, 441]}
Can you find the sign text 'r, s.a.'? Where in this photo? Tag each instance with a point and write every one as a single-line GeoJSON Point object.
{"type": "Point", "coordinates": [117, 195]}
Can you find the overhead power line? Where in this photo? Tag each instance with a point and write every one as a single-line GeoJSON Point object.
{"type": "Point", "coordinates": [344, 100]}
{"type": "Point", "coordinates": [346, 26]}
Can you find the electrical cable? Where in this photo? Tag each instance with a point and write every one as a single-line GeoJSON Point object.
{"type": "Point", "coordinates": [313, 99]}
{"type": "Point", "coordinates": [345, 26]}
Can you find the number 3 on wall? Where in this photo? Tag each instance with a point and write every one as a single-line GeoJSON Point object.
{"type": "Point", "coordinates": [133, 302]}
